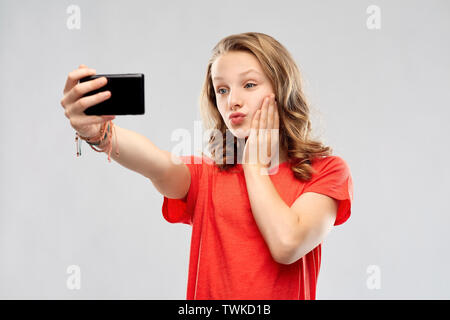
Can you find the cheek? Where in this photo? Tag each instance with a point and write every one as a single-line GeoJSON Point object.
{"type": "Point", "coordinates": [222, 113]}
{"type": "Point", "coordinates": [220, 109]}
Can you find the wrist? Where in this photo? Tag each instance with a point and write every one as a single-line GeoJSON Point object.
{"type": "Point", "coordinates": [255, 168]}
{"type": "Point", "coordinates": [98, 140]}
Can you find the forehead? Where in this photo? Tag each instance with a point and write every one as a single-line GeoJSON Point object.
{"type": "Point", "coordinates": [233, 63]}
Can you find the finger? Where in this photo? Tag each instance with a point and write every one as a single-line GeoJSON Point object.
{"type": "Point", "coordinates": [276, 118]}
{"type": "Point", "coordinates": [270, 114]}
{"type": "Point", "coordinates": [255, 121]}
{"type": "Point", "coordinates": [250, 141]}
{"type": "Point", "coordinates": [271, 123]}
{"type": "Point", "coordinates": [263, 120]}
{"type": "Point", "coordinates": [257, 137]}
{"type": "Point", "coordinates": [265, 131]}
{"type": "Point", "coordinates": [262, 132]}
{"type": "Point", "coordinates": [275, 134]}
{"type": "Point", "coordinates": [75, 75]}
{"type": "Point", "coordinates": [98, 119]}
{"type": "Point", "coordinates": [89, 101]}
{"type": "Point", "coordinates": [253, 139]}
{"type": "Point", "coordinates": [82, 66]}
{"type": "Point", "coordinates": [89, 120]}
{"type": "Point", "coordinates": [270, 120]}
{"type": "Point", "coordinates": [276, 124]}
{"type": "Point", "coordinates": [84, 87]}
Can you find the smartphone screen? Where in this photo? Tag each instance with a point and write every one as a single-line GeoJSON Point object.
{"type": "Point", "coordinates": [127, 95]}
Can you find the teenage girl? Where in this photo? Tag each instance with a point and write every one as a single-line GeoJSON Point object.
{"type": "Point", "coordinates": [262, 203]}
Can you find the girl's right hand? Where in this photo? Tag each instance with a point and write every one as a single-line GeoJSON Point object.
{"type": "Point", "coordinates": [74, 103]}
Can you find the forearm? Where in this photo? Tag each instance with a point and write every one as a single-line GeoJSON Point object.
{"type": "Point", "coordinates": [273, 216]}
{"type": "Point", "coordinates": [139, 154]}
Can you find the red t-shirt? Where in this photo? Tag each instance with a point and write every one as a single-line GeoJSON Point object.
{"type": "Point", "coordinates": [229, 258]}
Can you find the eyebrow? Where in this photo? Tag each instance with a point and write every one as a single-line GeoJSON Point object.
{"type": "Point", "coordinates": [241, 74]}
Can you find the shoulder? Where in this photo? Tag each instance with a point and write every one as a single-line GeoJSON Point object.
{"type": "Point", "coordinates": [330, 162]}
{"type": "Point", "coordinates": [331, 169]}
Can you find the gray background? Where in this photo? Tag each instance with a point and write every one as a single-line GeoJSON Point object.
{"type": "Point", "coordinates": [379, 98]}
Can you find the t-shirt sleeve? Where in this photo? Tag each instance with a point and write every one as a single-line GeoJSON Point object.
{"type": "Point", "coordinates": [182, 210]}
{"type": "Point", "coordinates": [333, 178]}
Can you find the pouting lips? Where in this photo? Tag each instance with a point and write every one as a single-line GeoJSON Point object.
{"type": "Point", "coordinates": [237, 120]}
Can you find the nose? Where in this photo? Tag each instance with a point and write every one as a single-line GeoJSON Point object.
{"type": "Point", "coordinates": [234, 102]}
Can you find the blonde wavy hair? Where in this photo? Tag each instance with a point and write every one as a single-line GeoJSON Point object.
{"type": "Point", "coordinates": [293, 109]}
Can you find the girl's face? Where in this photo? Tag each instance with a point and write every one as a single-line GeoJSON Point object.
{"type": "Point", "coordinates": [240, 86]}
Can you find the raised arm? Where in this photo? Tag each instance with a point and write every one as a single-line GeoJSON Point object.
{"type": "Point", "coordinates": [137, 153]}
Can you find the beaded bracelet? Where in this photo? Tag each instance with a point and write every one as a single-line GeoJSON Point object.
{"type": "Point", "coordinates": [99, 139]}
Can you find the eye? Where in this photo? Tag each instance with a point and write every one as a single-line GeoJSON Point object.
{"type": "Point", "coordinates": [219, 92]}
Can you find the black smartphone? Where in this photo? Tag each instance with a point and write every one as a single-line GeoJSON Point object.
{"type": "Point", "coordinates": [127, 95]}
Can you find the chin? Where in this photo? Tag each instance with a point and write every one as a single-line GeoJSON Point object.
{"type": "Point", "coordinates": [240, 133]}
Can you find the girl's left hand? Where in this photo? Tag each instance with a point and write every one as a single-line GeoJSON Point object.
{"type": "Point", "coordinates": [262, 146]}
